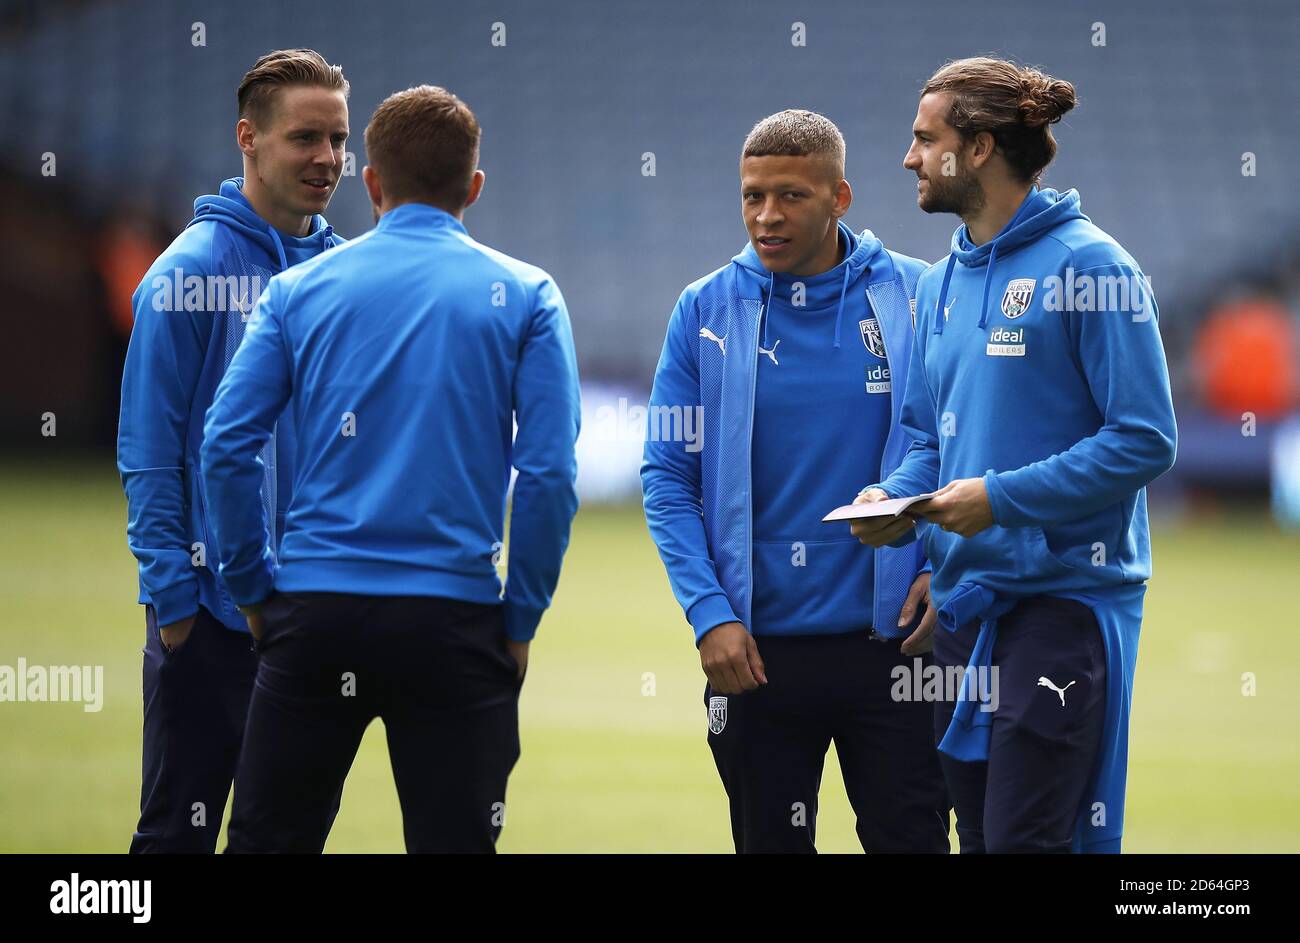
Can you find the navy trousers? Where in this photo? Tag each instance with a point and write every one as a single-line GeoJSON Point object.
{"type": "Point", "coordinates": [769, 745]}
{"type": "Point", "coordinates": [195, 704]}
{"type": "Point", "coordinates": [1051, 688]}
{"type": "Point", "coordinates": [439, 674]}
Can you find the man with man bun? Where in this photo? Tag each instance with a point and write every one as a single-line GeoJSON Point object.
{"type": "Point", "coordinates": [1038, 398]}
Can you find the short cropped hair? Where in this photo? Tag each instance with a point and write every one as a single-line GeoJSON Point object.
{"type": "Point", "coordinates": [797, 133]}
{"type": "Point", "coordinates": [423, 143]}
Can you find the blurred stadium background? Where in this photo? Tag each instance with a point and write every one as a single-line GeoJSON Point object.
{"type": "Point", "coordinates": [1183, 147]}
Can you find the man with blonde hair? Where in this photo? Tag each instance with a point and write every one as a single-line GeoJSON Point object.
{"type": "Point", "coordinates": [191, 312]}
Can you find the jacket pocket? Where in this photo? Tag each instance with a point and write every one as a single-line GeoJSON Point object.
{"type": "Point", "coordinates": [1039, 558]}
{"type": "Point", "coordinates": [812, 586]}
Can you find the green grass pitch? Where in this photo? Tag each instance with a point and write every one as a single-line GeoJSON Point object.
{"type": "Point", "coordinates": [612, 720]}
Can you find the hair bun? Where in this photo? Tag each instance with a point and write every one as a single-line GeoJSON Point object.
{"type": "Point", "coordinates": [1043, 99]}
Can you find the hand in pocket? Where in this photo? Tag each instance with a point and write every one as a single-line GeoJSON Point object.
{"type": "Point", "coordinates": [519, 652]}
{"type": "Point", "coordinates": [175, 635]}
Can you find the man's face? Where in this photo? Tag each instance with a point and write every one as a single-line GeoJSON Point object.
{"type": "Point", "coordinates": [945, 182]}
{"type": "Point", "coordinates": [299, 153]}
{"type": "Point", "coordinates": [789, 205]}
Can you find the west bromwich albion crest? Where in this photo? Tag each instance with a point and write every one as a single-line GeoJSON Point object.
{"type": "Point", "coordinates": [871, 336]}
{"type": "Point", "coordinates": [1015, 300]}
{"type": "Point", "coordinates": [717, 714]}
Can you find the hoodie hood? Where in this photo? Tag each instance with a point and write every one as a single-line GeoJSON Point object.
{"type": "Point", "coordinates": [1040, 212]}
{"type": "Point", "coordinates": [231, 207]}
{"type": "Point", "coordinates": [861, 253]}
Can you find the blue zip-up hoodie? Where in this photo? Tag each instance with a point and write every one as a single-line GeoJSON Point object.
{"type": "Point", "coordinates": [409, 354]}
{"type": "Point", "coordinates": [1038, 367]}
{"type": "Point", "coordinates": [698, 500]}
{"type": "Point", "coordinates": [191, 311]}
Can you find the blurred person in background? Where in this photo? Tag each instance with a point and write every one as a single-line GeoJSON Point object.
{"type": "Point", "coordinates": [1246, 359]}
{"type": "Point", "coordinates": [190, 312]}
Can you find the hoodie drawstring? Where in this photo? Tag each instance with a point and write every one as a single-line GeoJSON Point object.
{"type": "Point", "coordinates": [850, 274]}
{"type": "Point", "coordinates": [984, 299]}
{"type": "Point", "coordinates": [279, 248]}
{"type": "Point", "coordinates": [839, 314]}
{"type": "Point", "coordinates": [943, 294]}
{"type": "Point", "coordinates": [988, 277]}
{"type": "Point", "coordinates": [767, 303]}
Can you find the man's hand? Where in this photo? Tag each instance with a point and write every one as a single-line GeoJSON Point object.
{"type": "Point", "coordinates": [961, 507]}
{"type": "Point", "coordinates": [879, 531]}
{"type": "Point", "coordinates": [730, 659]}
{"type": "Point", "coordinates": [921, 640]}
{"type": "Point", "coordinates": [253, 616]}
{"type": "Point", "coordinates": [174, 635]}
{"type": "Point", "coordinates": [519, 652]}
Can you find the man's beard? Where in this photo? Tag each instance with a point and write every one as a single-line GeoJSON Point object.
{"type": "Point", "coordinates": [961, 195]}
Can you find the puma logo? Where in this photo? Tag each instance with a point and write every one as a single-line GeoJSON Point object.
{"type": "Point", "coordinates": [947, 308]}
{"type": "Point", "coordinates": [243, 307]}
{"type": "Point", "coordinates": [1047, 683]}
{"type": "Point", "coordinates": [771, 353]}
{"type": "Point", "coordinates": [720, 341]}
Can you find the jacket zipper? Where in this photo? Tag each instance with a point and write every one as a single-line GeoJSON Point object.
{"type": "Point", "coordinates": [875, 569]}
{"type": "Point", "coordinates": [749, 482]}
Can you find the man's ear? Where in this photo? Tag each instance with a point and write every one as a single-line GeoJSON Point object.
{"type": "Point", "coordinates": [245, 137]}
{"type": "Point", "coordinates": [475, 187]}
{"type": "Point", "coordinates": [374, 188]}
{"type": "Point", "coordinates": [982, 149]}
{"type": "Point", "coordinates": [843, 199]}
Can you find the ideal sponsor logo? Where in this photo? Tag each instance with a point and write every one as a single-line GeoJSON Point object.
{"type": "Point", "coordinates": [878, 379]}
{"type": "Point", "coordinates": [1004, 342]}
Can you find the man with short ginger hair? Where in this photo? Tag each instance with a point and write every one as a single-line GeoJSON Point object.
{"type": "Point", "coordinates": [410, 355]}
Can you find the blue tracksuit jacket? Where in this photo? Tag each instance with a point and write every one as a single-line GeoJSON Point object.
{"type": "Point", "coordinates": [406, 356]}
{"type": "Point", "coordinates": [191, 312]}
